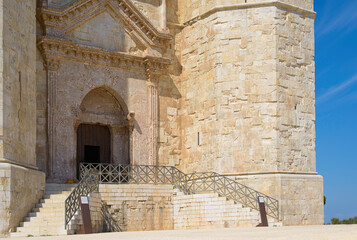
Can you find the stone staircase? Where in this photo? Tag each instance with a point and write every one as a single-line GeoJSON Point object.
{"type": "Point", "coordinates": [209, 210]}
{"type": "Point", "coordinates": [47, 217]}
{"type": "Point", "coordinates": [144, 207]}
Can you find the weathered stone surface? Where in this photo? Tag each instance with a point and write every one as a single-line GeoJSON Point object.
{"type": "Point", "coordinates": [18, 81]}
{"type": "Point", "coordinates": [20, 190]}
{"type": "Point", "coordinates": [155, 207]}
{"type": "Point", "coordinates": [300, 196]}
{"type": "Point", "coordinates": [21, 185]}
{"type": "Point", "coordinates": [223, 85]}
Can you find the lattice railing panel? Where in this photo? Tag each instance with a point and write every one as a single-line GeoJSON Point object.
{"type": "Point", "coordinates": [88, 184]}
{"type": "Point", "coordinates": [187, 183]}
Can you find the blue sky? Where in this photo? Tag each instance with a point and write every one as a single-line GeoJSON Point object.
{"type": "Point", "coordinates": [336, 104]}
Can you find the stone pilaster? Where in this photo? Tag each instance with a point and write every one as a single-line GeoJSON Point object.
{"type": "Point", "coordinates": [153, 103]}
{"type": "Point", "coordinates": [52, 68]}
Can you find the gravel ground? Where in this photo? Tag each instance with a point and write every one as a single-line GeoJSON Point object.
{"type": "Point", "coordinates": [327, 232]}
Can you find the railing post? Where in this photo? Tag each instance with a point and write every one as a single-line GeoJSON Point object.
{"type": "Point", "coordinates": [172, 175]}
{"type": "Point", "coordinates": [214, 184]}
{"type": "Point", "coordinates": [186, 189]}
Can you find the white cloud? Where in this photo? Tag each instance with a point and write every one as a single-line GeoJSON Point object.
{"type": "Point", "coordinates": [336, 89]}
{"type": "Point", "coordinates": [345, 19]}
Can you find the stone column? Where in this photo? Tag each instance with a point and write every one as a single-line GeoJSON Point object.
{"type": "Point", "coordinates": [52, 72]}
{"type": "Point", "coordinates": [163, 14]}
{"type": "Point", "coordinates": [130, 126]}
{"type": "Point", "coordinates": [154, 116]}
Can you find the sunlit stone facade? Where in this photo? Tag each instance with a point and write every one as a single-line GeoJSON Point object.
{"type": "Point", "coordinates": [224, 86]}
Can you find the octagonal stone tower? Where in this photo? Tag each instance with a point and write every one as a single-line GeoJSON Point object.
{"type": "Point", "coordinates": [248, 98]}
{"type": "Point", "coordinates": [214, 85]}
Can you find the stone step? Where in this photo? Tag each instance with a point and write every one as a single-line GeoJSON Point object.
{"type": "Point", "coordinates": [49, 209]}
{"type": "Point", "coordinates": [55, 196]}
{"type": "Point", "coordinates": [41, 219]}
{"type": "Point", "coordinates": [66, 192]}
{"type": "Point", "coordinates": [46, 214]}
{"type": "Point", "coordinates": [41, 233]}
{"type": "Point", "coordinates": [51, 186]}
{"type": "Point", "coordinates": [53, 200]}
{"type": "Point", "coordinates": [50, 205]}
{"type": "Point", "coordinates": [49, 223]}
{"type": "Point", "coordinates": [41, 230]}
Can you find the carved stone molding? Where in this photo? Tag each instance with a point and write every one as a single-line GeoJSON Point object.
{"type": "Point", "coordinates": [74, 14]}
{"type": "Point", "coordinates": [59, 49]}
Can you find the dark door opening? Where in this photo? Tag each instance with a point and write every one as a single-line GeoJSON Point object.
{"type": "Point", "coordinates": [93, 144]}
{"type": "Point", "coordinates": [91, 154]}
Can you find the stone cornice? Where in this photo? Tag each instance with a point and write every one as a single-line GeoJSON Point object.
{"type": "Point", "coordinates": [268, 173]}
{"type": "Point", "coordinates": [59, 49]}
{"type": "Point", "coordinates": [280, 4]}
{"type": "Point", "coordinates": [19, 164]}
{"type": "Point", "coordinates": [72, 15]}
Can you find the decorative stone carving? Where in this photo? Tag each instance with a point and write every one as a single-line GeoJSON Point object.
{"type": "Point", "coordinates": [63, 49]}
{"type": "Point", "coordinates": [74, 14]}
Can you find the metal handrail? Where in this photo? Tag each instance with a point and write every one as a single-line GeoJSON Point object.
{"type": "Point", "coordinates": [88, 184]}
{"type": "Point", "coordinates": [187, 183]}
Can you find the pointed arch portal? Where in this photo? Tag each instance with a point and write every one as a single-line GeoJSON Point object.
{"type": "Point", "coordinates": [102, 133]}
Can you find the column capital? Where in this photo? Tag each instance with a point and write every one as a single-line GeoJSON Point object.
{"type": "Point", "coordinates": [52, 64]}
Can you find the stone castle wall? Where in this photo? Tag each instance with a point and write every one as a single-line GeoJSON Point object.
{"type": "Point", "coordinates": [238, 93]}
{"type": "Point", "coordinates": [300, 196]}
{"type": "Point", "coordinates": [18, 85]}
{"type": "Point", "coordinates": [295, 92]}
{"type": "Point", "coordinates": [20, 189]}
{"type": "Point", "coordinates": [191, 9]}
{"type": "Point", "coordinates": [247, 106]}
{"type": "Point", "coordinates": [21, 184]}
{"type": "Point", "coordinates": [238, 97]}
{"type": "Point", "coordinates": [229, 92]}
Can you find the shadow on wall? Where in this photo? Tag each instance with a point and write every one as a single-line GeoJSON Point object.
{"type": "Point", "coordinates": [110, 224]}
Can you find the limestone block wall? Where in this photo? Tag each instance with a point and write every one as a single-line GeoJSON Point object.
{"type": "Point", "coordinates": [300, 196]}
{"type": "Point", "coordinates": [160, 207]}
{"type": "Point", "coordinates": [295, 92]}
{"type": "Point", "coordinates": [248, 92]}
{"type": "Point", "coordinates": [140, 207]}
{"type": "Point", "coordinates": [20, 190]}
{"type": "Point", "coordinates": [18, 81]}
{"type": "Point", "coordinates": [247, 106]}
{"type": "Point", "coordinates": [229, 92]}
{"type": "Point", "coordinates": [204, 211]}
{"type": "Point", "coordinates": [191, 9]}
{"type": "Point", "coordinates": [170, 114]}
{"type": "Point", "coordinates": [21, 185]}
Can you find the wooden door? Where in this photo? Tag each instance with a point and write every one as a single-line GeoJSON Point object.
{"type": "Point", "coordinates": [93, 144]}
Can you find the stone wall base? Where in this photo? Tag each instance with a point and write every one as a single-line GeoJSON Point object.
{"type": "Point", "coordinates": [20, 189]}
{"type": "Point", "coordinates": [300, 195]}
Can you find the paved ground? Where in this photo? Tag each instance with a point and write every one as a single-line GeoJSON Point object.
{"type": "Point", "coordinates": [340, 232]}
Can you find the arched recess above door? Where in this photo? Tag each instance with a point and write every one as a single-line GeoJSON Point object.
{"type": "Point", "coordinates": [103, 105]}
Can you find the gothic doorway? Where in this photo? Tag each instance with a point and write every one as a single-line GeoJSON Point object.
{"type": "Point", "coordinates": [93, 144]}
